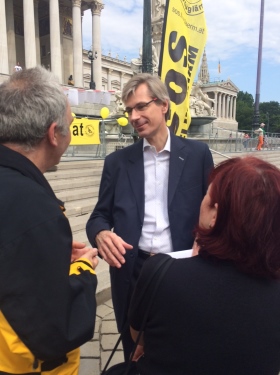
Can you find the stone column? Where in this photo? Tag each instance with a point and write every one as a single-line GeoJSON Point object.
{"type": "Point", "coordinates": [4, 59]}
{"type": "Point", "coordinates": [77, 44]}
{"type": "Point", "coordinates": [224, 105]}
{"type": "Point", "coordinates": [216, 103]}
{"type": "Point", "coordinates": [55, 39]}
{"type": "Point", "coordinates": [96, 8]}
{"type": "Point", "coordinates": [227, 106]}
{"type": "Point", "coordinates": [231, 107]}
{"type": "Point", "coordinates": [234, 108]}
{"type": "Point", "coordinates": [36, 17]}
{"type": "Point", "coordinates": [220, 105]}
{"type": "Point", "coordinates": [29, 34]}
{"type": "Point", "coordinates": [109, 78]}
{"type": "Point", "coordinates": [121, 80]}
{"type": "Point", "coordinates": [11, 39]}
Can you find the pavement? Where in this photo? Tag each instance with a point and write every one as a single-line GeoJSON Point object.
{"type": "Point", "coordinates": [95, 353]}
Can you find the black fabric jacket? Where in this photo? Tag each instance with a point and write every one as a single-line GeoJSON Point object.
{"type": "Point", "coordinates": [51, 312]}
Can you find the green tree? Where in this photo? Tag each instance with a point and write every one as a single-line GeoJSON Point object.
{"type": "Point", "coordinates": [270, 115]}
{"type": "Point", "coordinates": [244, 110]}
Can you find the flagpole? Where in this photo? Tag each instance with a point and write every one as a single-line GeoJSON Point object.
{"type": "Point", "coordinates": [147, 65]}
{"type": "Point", "coordinates": [256, 119]}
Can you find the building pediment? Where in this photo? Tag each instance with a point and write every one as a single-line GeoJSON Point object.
{"type": "Point", "coordinates": [228, 84]}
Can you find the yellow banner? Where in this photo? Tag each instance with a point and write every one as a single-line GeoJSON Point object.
{"type": "Point", "coordinates": [184, 38]}
{"type": "Point", "coordinates": [84, 132]}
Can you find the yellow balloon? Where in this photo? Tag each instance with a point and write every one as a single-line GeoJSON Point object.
{"type": "Point", "coordinates": [104, 112]}
{"type": "Point", "coordinates": [122, 121]}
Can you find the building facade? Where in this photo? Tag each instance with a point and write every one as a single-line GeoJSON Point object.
{"type": "Point", "coordinates": [49, 33]}
{"type": "Point", "coordinates": [224, 94]}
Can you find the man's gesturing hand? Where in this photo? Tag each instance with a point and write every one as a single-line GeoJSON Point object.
{"type": "Point", "coordinates": [112, 247]}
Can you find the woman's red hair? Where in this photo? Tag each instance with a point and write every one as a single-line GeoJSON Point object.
{"type": "Point", "coordinates": [247, 228]}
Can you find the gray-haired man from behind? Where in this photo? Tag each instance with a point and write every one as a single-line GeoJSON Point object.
{"type": "Point", "coordinates": [47, 280]}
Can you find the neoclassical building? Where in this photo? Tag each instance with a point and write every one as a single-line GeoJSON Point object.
{"type": "Point", "coordinates": [224, 93]}
{"type": "Point", "coordinates": [49, 32]}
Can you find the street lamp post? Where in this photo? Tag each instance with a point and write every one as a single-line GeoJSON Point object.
{"type": "Point", "coordinates": [92, 57]}
{"type": "Point", "coordinates": [147, 64]}
{"type": "Point", "coordinates": [256, 119]}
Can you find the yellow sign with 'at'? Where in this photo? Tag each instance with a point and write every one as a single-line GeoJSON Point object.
{"type": "Point", "coordinates": [84, 132]}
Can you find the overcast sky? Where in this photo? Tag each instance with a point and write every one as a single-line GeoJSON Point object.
{"type": "Point", "coordinates": [233, 38]}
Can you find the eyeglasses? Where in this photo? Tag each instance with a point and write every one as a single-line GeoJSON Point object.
{"type": "Point", "coordinates": [139, 107]}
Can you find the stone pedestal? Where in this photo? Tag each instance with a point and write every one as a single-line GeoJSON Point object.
{"type": "Point", "coordinates": [199, 126]}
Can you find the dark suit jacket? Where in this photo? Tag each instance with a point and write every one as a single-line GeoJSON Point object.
{"type": "Point", "coordinates": [121, 203]}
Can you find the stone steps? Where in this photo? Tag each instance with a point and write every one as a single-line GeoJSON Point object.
{"type": "Point", "coordinates": [78, 194]}
{"type": "Point", "coordinates": [74, 172]}
{"type": "Point", "coordinates": [77, 184]}
{"type": "Point", "coordinates": [78, 223]}
{"type": "Point", "coordinates": [74, 183]}
{"type": "Point", "coordinates": [272, 157]}
{"type": "Point", "coordinates": [80, 207]}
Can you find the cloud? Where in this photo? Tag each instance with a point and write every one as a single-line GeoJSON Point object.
{"type": "Point", "coordinates": [233, 38]}
{"type": "Point", "coordinates": [121, 28]}
{"type": "Point", "coordinates": [234, 27]}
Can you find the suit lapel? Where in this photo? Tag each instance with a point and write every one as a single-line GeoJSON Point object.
{"type": "Point", "coordinates": [135, 170]}
{"type": "Point", "coordinates": [178, 159]}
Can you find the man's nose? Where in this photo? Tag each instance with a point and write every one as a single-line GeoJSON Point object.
{"type": "Point", "coordinates": [134, 115]}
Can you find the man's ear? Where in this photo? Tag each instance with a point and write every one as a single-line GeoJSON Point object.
{"type": "Point", "coordinates": [164, 105]}
{"type": "Point", "coordinates": [52, 134]}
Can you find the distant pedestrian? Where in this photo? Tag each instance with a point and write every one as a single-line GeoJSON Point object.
{"type": "Point", "coordinates": [70, 80]}
{"type": "Point", "coordinates": [260, 132]}
{"type": "Point", "coordinates": [17, 68]}
{"type": "Point", "coordinates": [246, 140]}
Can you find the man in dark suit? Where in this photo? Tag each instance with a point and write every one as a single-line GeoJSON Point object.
{"type": "Point", "coordinates": [150, 193]}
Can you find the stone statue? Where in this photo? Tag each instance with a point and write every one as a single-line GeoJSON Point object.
{"type": "Point", "coordinates": [200, 103]}
{"type": "Point", "coordinates": [136, 64]}
{"type": "Point", "coordinates": [119, 106]}
{"type": "Point", "coordinates": [155, 60]}
{"type": "Point", "coordinates": [159, 4]}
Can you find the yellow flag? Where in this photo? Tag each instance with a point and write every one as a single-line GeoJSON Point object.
{"type": "Point", "coordinates": [84, 132]}
{"type": "Point", "coordinates": [183, 40]}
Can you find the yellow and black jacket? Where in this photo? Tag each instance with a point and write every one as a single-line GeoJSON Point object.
{"type": "Point", "coordinates": [47, 306]}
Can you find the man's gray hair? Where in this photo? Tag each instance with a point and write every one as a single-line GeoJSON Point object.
{"type": "Point", "coordinates": [156, 87]}
{"type": "Point", "coordinates": [30, 101]}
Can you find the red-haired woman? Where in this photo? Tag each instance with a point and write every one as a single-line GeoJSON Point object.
{"type": "Point", "coordinates": [218, 313]}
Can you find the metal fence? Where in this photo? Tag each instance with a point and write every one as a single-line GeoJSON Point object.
{"type": "Point", "coordinates": [223, 140]}
{"type": "Point", "coordinates": [108, 144]}
{"type": "Point", "coordinates": [219, 139]}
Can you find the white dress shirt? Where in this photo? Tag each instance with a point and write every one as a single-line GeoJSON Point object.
{"type": "Point", "coordinates": [156, 236]}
